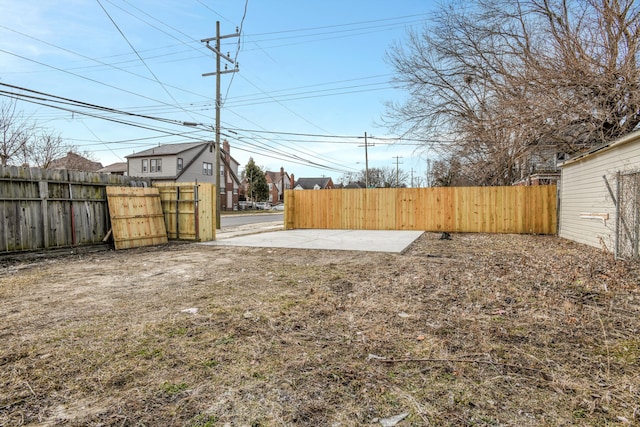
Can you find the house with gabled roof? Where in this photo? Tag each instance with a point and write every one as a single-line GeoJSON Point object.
{"type": "Point", "coordinates": [314, 184]}
{"type": "Point", "coordinates": [278, 182]}
{"type": "Point", "coordinates": [189, 162]}
{"type": "Point", "coordinates": [76, 162]}
{"type": "Point", "coordinates": [119, 168]}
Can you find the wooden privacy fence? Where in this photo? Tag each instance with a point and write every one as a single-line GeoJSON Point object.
{"type": "Point", "coordinates": [46, 208]}
{"type": "Point", "coordinates": [189, 210]}
{"type": "Point", "coordinates": [136, 217]}
{"type": "Point", "coordinates": [518, 209]}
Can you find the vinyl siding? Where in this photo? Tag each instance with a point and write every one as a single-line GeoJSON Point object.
{"type": "Point", "coordinates": [583, 190]}
{"type": "Point", "coordinates": [192, 173]}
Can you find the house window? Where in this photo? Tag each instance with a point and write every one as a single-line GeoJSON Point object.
{"type": "Point", "coordinates": [179, 163]}
{"type": "Point", "coordinates": [207, 168]}
{"type": "Point", "coordinates": [145, 166]}
{"type": "Point", "coordinates": [270, 186]}
{"type": "Point", "coordinates": [156, 165]}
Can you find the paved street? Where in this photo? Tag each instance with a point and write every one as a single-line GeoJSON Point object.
{"type": "Point", "coordinates": [235, 220]}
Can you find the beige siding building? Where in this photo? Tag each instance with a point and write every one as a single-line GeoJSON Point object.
{"type": "Point", "coordinates": [600, 197]}
{"type": "Point", "coordinates": [189, 162]}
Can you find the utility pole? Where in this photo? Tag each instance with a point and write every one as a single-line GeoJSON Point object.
{"type": "Point", "coordinates": [411, 177]}
{"type": "Point", "coordinates": [397, 170]}
{"type": "Point", "coordinates": [366, 161]}
{"type": "Point", "coordinates": [217, 73]}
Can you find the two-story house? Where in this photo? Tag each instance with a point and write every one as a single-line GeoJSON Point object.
{"type": "Point", "coordinates": [189, 162]}
{"type": "Point", "coordinates": [277, 182]}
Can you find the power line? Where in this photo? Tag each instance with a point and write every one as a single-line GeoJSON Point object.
{"type": "Point", "coordinates": [235, 59]}
{"type": "Point", "coordinates": [140, 57]}
{"type": "Point", "coordinates": [339, 25]}
{"type": "Point", "coordinates": [45, 99]}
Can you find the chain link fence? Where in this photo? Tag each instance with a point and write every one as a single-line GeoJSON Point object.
{"type": "Point", "coordinates": [628, 216]}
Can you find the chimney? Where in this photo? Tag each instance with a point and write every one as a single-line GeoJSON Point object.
{"type": "Point", "coordinates": [226, 147]}
{"type": "Point", "coordinates": [293, 181]}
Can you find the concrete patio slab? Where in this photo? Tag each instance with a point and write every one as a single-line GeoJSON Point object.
{"type": "Point", "coordinates": [346, 240]}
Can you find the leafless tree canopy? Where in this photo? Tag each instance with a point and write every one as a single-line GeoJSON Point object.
{"type": "Point", "coordinates": [24, 143]}
{"type": "Point", "coordinates": [15, 132]}
{"type": "Point", "coordinates": [501, 78]}
{"type": "Point", "coordinates": [384, 177]}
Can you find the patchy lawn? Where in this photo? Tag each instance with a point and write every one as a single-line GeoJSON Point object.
{"type": "Point", "coordinates": [480, 330]}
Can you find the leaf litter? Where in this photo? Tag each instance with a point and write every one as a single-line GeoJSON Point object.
{"type": "Point", "coordinates": [482, 330]}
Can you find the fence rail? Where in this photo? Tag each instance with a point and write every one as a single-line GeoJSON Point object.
{"type": "Point", "coordinates": [189, 210]}
{"type": "Point", "coordinates": [47, 209]}
{"type": "Point", "coordinates": [518, 209]}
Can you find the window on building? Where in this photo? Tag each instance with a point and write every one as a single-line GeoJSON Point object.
{"type": "Point", "coordinates": [156, 165]}
{"type": "Point", "coordinates": [207, 168]}
{"type": "Point", "coordinates": [145, 166]}
{"type": "Point", "coordinates": [179, 163]}
{"type": "Point", "coordinates": [270, 186]}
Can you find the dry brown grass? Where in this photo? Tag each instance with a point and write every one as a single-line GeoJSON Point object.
{"type": "Point", "coordinates": [482, 330]}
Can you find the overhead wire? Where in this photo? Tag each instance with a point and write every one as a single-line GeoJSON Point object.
{"type": "Point", "coordinates": [139, 57]}
{"type": "Point", "coordinates": [268, 95]}
{"type": "Point", "coordinates": [235, 59]}
{"type": "Point", "coordinates": [40, 98]}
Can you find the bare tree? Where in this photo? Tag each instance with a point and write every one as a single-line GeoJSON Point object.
{"type": "Point", "coordinates": [500, 78]}
{"type": "Point", "coordinates": [43, 148]}
{"type": "Point", "coordinates": [385, 177]}
{"type": "Point", "coordinates": [15, 132]}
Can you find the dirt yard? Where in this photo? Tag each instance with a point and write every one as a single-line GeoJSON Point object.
{"type": "Point", "coordinates": [480, 330]}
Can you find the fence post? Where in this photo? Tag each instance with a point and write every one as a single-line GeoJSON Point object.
{"type": "Point", "coordinates": [73, 217]}
{"type": "Point", "coordinates": [616, 253]}
{"type": "Point", "coordinates": [195, 209]}
{"type": "Point", "coordinates": [43, 190]}
{"type": "Point", "coordinates": [177, 212]}
{"type": "Point", "coordinates": [289, 209]}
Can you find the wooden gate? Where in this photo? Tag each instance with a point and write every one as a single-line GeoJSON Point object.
{"type": "Point", "coordinates": [136, 217]}
{"type": "Point", "coordinates": [189, 210]}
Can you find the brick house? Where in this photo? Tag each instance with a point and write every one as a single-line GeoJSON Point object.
{"type": "Point", "coordinates": [277, 182]}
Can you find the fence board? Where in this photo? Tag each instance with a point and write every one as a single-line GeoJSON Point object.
{"type": "Point", "coordinates": [189, 210]}
{"type": "Point", "coordinates": [518, 209]}
{"type": "Point", "coordinates": [136, 217]}
{"type": "Point", "coordinates": [46, 209]}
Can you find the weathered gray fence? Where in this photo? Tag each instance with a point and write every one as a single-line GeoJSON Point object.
{"type": "Point", "coordinates": [47, 209]}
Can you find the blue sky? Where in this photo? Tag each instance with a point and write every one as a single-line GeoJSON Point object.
{"type": "Point", "coordinates": [312, 76]}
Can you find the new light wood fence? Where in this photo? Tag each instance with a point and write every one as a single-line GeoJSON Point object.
{"type": "Point", "coordinates": [518, 209]}
{"type": "Point", "coordinates": [136, 217]}
{"type": "Point", "coordinates": [189, 210]}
